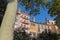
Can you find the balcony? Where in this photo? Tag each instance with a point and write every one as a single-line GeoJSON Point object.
{"type": "Point", "coordinates": [26, 22]}
{"type": "Point", "coordinates": [24, 26]}
{"type": "Point", "coordinates": [25, 17]}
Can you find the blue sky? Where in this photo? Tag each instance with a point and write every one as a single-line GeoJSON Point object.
{"type": "Point", "coordinates": [41, 18]}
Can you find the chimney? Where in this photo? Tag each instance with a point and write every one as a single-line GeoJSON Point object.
{"type": "Point", "coordinates": [47, 21]}
{"type": "Point", "coordinates": [18, 11]}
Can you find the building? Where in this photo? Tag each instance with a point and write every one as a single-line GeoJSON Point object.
{"type": "Point", "coordinates": [31, 27]}
{"type": "Point", "coordinates": [39, 28]}
{"type": "Point", "coordinates": [22, 21]}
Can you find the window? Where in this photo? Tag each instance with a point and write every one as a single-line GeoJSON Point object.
{"type": "Point", "coordinates": [21, 15]}
{"type": "Point", "coordinates": [33, 24]}
{"type": "Point", "coordinates": [26, 26]}
{"type": "Point", "coordinates": [16, 20]}
{"type": "Point", "coordinates": [26, 22]}
{"type": "Point", "coordinates": [44, 26]}
{"type": "Point", "coordinates": [18, 16]}
{"type": "Point", "coordinates": [38, 28]}
{"type": "Point", "coordinates": [27, 17]}
{"type": "Point", "coordinates": [16, 23]}
{"type": "Point", "coordinates": [15, 26]}
{"type": "Point", "coordinates": [47, 27]}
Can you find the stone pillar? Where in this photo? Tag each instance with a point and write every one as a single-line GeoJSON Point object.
{"type": "Point", "coordinates": [8, 21]}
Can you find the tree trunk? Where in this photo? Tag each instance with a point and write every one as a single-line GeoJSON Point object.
{"type": "Point", "coordinates": [8, 21]}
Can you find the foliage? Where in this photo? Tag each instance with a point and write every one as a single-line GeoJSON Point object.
{"type": "Point", "coordinates": [55, 10]}
{"type": "Point", "coordinates": [18, 35]}
{"type": "Point", "coordinates": [47, 36]}
{"type": "Point", "coordinates": [3, 5]}
{"type": "Point", "coordinates": [33, 5]}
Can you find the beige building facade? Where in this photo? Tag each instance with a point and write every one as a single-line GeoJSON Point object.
{"type": "Point", "coordinates": [31, 27]}
{"type": "Point", "coordinates": [38, 28]}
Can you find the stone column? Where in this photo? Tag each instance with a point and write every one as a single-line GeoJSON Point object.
{"type": "Point", "coordinates": [6, 31]}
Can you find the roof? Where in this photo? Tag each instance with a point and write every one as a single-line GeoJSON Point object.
{"type": "Point", "coordinates": [37, 22]}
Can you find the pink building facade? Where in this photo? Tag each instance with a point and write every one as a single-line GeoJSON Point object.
{"type": "Point", "coordinates": [22, 21]}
